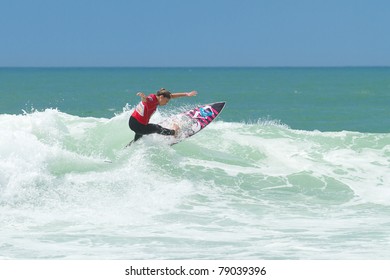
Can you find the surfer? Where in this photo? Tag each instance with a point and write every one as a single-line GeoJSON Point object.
{"type": "Point", "coordinates": [139, 120]}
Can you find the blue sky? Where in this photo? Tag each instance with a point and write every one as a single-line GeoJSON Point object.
{"type": "Point", "coordinates": [194, 33]}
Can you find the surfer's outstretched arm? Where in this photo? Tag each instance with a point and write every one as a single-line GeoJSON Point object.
{"type": "Point", "coordinates": [184, 94]}
{"type": "Point", "coordinates": [142, 95]}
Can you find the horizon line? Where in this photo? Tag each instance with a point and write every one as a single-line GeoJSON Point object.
{"type": "Point", "coordinates": [302, 66]}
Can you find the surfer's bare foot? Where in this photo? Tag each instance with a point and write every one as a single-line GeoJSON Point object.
{"type": "Point", "coordinates": [176, 129]}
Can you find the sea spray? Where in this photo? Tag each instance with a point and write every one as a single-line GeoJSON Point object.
{"type": "Point", "coordinates": [235, 190]}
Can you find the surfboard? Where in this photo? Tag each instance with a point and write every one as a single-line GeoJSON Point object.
{"type": "Point", "coordinates": [192, 121]}
{"type": "Point", "coordinates": [189, 123]}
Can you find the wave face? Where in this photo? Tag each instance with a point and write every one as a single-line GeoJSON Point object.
{"type": "Point", "coordinates": [234, 191]}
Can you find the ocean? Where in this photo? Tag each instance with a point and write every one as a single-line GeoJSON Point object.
{"type": "Point", "coordinates": [297, 166]}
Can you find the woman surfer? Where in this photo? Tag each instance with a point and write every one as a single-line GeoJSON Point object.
{"type": "Point", "coordinates": [139, 120]}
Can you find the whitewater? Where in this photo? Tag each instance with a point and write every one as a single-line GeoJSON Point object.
{"type": "Point", "coordinates": [237, 190]}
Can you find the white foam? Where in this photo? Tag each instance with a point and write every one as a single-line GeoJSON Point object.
{"type": "Point", "coordinates": [243, 183]}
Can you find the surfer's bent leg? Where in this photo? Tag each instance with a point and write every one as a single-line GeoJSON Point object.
{"type": "Point", "coordinates": [141, 129]}
{"type": "Point", "coordinates": [163, 131]}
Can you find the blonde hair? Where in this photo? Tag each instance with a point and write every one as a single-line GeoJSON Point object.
{"type": "Point", "coordinates": [164, 93]}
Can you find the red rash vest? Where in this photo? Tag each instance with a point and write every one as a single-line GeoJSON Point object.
{"type": "Point", "coordinates": [144, 110]}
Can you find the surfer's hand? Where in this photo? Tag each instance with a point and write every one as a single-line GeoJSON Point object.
{"type": "Point", "coordinates": [192, 93]}
{"type": "Point", "coordinates": [142, 95]}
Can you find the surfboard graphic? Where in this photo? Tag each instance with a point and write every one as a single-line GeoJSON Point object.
{"type": "Point", "coordinates": [192, 121]}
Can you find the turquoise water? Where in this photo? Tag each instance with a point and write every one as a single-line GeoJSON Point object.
{"type": "Point", "coordinates": [325, 99]}
{"type": "Point", "coordinates": [296, 166]}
